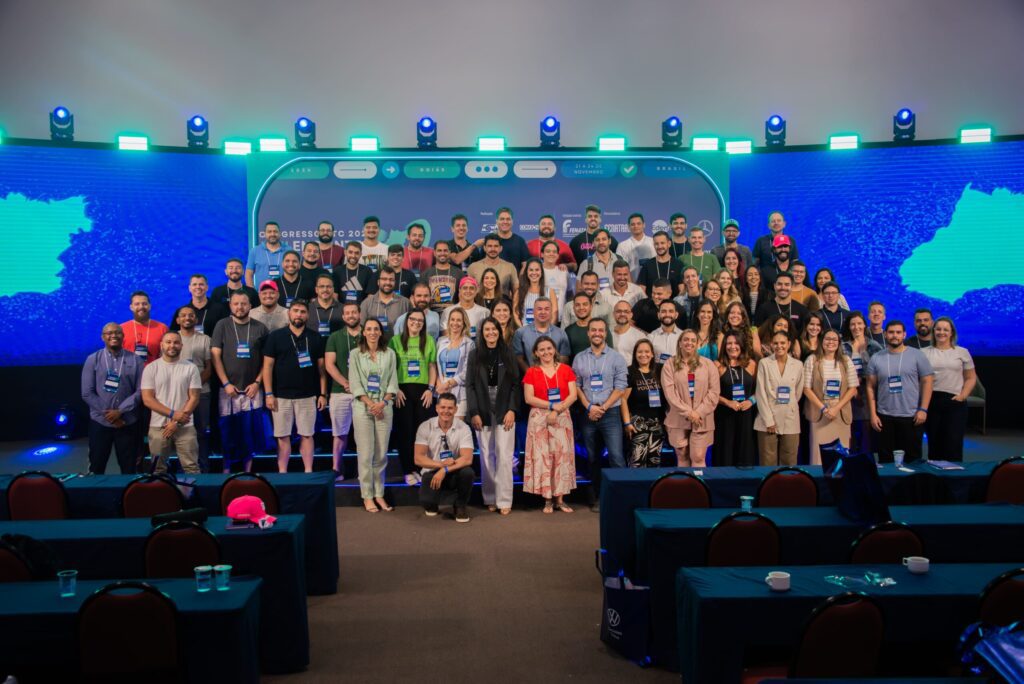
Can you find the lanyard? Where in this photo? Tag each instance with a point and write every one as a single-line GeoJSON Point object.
{"type": "Point", "coordinates": [597, 363]}
{"type": "Point", "coordinates": [555, 378]}
{"type": "Point", "coordinates": [841, 318]}
{"type": "Point", "coordinates": [330, 312]}
{"type": "Point", "coordinates": [292, 337]}
{"type": "Point", "coordinates": [137, 340]}
{"type": "Point", "coordinates": [447, 351]}
{"type": "Point", "coordinates": [789, 311]}
{"type": "Point", "coordinates": [888, 365]}
{"type": "Point", "coordinates": [657, 268]}
{"type": "Point", "coordinates": [330, 251]}
{"type": "Point", "coordinates": [234, 326]}
{"type": "Point", "coordinates": [109, 356]}
{"type": "Point", "coordinates": [284, 285]}
{"type": "Point", "coordinates": [280, 256]}
{"type": "Point", "coordinates": [733, 379]}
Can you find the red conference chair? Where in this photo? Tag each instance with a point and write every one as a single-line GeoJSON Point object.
{"type": "Point", "coordinates": [128, 631]}
{"type": "Point", "coordinates": [252, 484]}
{"type": "Point", "coordinates": [35, 495]}
{"type": "Point", "coordinates": [14, 567]}
{"type": "Point", "coordinates": [787, 487]}
{"type": "Point", "coordinates": [174, 549]}
{"type": "Point", "coordinates": [149, 495]}
{"type": "Point", "coordinates": [1002, 601]}
{"type": "Point", "coordinates": [887, 542]}
{"type": "Point", "coordinates": [743, 538]}
{"type": "Point", "coordinates": [842, 639]}
{"type": "Point", "coordinates": [679, 490]}
{"type": "Point", "coordinates": [1006, 482]}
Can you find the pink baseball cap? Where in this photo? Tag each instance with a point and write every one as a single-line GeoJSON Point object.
{"type": "Point", "coordinates": [468, 280]}
{"type": "Point", "coordinates": [268, 283]}
{"type": "Point", "coordinates": [250, 508]}
{"type": "Point", "coordinates": [781, 240]}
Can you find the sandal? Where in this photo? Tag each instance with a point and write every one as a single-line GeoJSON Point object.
{"type": "Point", "coordinates": [549, 507]}
{"type": "Point", "coordinates": [370, 507]}
{"type": "Point", "coordinates": [563, 508]}
{"type": "Point", "coordinates": [505, 511]}
{"type": "Point", "coordinates": [492, 508]}
{"type": "Point", "coordinates": [384, 506]}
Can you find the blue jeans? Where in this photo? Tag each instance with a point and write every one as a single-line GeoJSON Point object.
{"type": "Point", "coordinates": [598, 435]}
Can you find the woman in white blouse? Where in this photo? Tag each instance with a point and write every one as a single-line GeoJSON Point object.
{"type": "Point", "coordinates": [453, 359]}
{"type": "Point", "coordinates": [780, 384]}
{"type": "Point", "coordinates": [830, 384]}
{"type": "Point", "coordinates": [955, 378]}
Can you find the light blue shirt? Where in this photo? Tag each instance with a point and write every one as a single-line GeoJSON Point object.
{"type": "Point", "coordinates": [261, 260]}
{"type": "Point", "coordinates": [433, 323]}
{"type": "Point", "coordinates": [902, 372]}
{"type": "Point", "coordinates": [608, 370]}
{"type": "Point", "coordinates": [527, 336]}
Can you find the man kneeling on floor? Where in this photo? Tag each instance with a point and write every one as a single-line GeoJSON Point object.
{"type": "Point", "coordinates": [444, 450]}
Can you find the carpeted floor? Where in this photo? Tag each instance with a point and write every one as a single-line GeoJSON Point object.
{"type": "Point", "coordinates": [511, 599]}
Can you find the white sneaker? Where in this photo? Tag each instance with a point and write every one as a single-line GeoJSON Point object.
{"type": "Point", "coordinates": [419, 478]}
{"type": "Point", "coordinates": [410, 479]}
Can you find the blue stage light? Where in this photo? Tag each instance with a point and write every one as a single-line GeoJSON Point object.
{"type": "Point", "coordinates": [904, 125]}
{"type": "Point", "coordinates": [775, 131]}
{"type": "Point", "coordinates": [62, 124]}
{"type": "Point", "coordinates": [550, 132]}
{"type": "Point", "coordinates": [63, 422]}
{"type": "Point", "coordinates": [197, 130]}
{"type": "Point", "coordinates": [62, 418]}
{"type": "Point", "coordinates": [305, 133]}
{"type": "Point", "coordinates": [672, 133]}
{"type": "Point", "coordinates": [426, 133]}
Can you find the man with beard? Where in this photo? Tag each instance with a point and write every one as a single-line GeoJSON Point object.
{"type": "Point", "coordinates": [221, 294]}
{"type": "Point", "coordinates": [142, 335]}
{"type": "Point", "coordinates": [351, 278]}
{"type": "Point", "coordinates": [463, 251]}
{"type": "Point", "coordinates": [626, 334]}
{"type": "Point", "coordinates": [295, 384]}
{"type": "Point", "coordinates": [339, 345]}
{"type": "Point", "coordinates": [731, 232]}
{"type": "Point", "coordinates": [325, 311]}
{"type": "Point", "coordinates": [600, 308]}
{"type": "Point", "coordinates": [601, 260]}
{"type": "Point", "coordinates": [269, 312]}
{"type": "Point", "coordinates": [645, 312]}
{"type": "Point", "coordinates": [507, 274]}
{"type": "Point", "coordinates": [680, 244]}
{"type": "Point", "coordinates": [417, 257]}
{"type": "Point", "coordinates": [764, 246]}
{"type": "Point", "coordinates": [311, 268]}
{"type": "Point", "coordinates": [385, 305]}
{"type": "Point", "coordinates": [546, 231]}
{"type": "Point", "coordinates": [170, 390]}
{"type": "Point", "coordinates": [513, 247]}
{"type": "Point", "coordinates": [420, 301]}
{"type": "Point", "coordinates": [237, 350]}
{"type": "Point", "coordinates": [923, 324]}
{"type": "Point", "coordinates": [110, 387]}
{"type": "Point", "coordinates": [662, 266]}
{"type": "Point", "coordinates": [690, 297]}
{"type": "Point", "coordinates": [375, 252]}
{"type": "Point", "coordinates": [706, 263]}
{"type": "Point", "coordinates": [666, 338]}
{"type": "Point", "coordinates": [623, 289]}
{"type": "Point", "coordinates": [899, 392]}
{"type": "Point", "coordinates": [782, 260]}
{"type": "Point", "coordinates": [292, 284]}
{"type": "Point", "coordinates": [331, 253]}
{"type": "Point", "coordinates": [264, 262]}
{"type": "Point", "coordinates": [404, 278]}
{"type": "Point", "coordinates": [583, 244]}
{"type": "Point", "coordinates": [525, 337]}
{"type": "Point", "coordinates": [442, 278]}
{"type": "Point", "coordinates": [195, 348]}
{"type": "Point", "coordinates": [783, 304]}
{"type": "Point", "coordinates": [638, 247]}
{"type": "Point", "coordinates": [208, 312]}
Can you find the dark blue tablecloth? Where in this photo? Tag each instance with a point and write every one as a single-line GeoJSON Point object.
{"type": "Point", "coordinates": [113, 548]}
{"type": "Point", "coordinates": [722, 611]}
{"type": "Point", "coordinates": [626, 489]}
{"type": "Point", "coordinates": [309, 494]}
{"type": "Point", "coordinates": [668, 540]}
{"type": "Point", "coordinates": [218, 629]}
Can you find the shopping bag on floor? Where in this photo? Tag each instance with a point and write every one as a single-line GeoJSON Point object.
{"type": "Point", "coordinates": [625, 615]}
{"type": "Point", "coordinates": [855, 485]}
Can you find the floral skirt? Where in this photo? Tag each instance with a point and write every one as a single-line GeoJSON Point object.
{"type": "Point", "coordinates": [550, 468]}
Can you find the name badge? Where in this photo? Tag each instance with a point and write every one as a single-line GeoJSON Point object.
{"type": "Point", "coordinates": [446, 455]}
{"type": "Point", "coordinates": [858, 365]}
{"type": "Point", "coordinates": [412, 367]}
{"type": "Point", "coordinates": [738, 393]}
{"type": "Point", "coordinates": [242, 351]}
{"type": "Point", "coordinates": [383, 320]}
{"type": "Point", "coordinates": [895, 384]}
{"type": "Point", "coordinates": [112, 382]}
{"type": "Point", "coordinates": [691, 382]}
{"type": "Point", "coordinates": [200, 329]}
{"type": "Point", "coordinates": [554, 395]}
{"type": "Point", "coordinates": [596, 382]}
{"type": "Point", "coordinates": [305, 361]}
{"type": "Point", "coordinates": [472, 331]}
{"type": "Point", "coordinates": [782, 395]}
{"type": "Point", "coordinates": [274, 271]}
{"type": "Point", "coordinates": [445, 293]}
{"type": "Point", "coordinates": [324, 328]}
{"type": "Point", "coordinates": [373, 383]}
{"type": "Point", "coordinates": [664, 357]}
{"type": "Point", "coordinates": [529, 316]}
{"type": "Point", "coordinates": [351, 296]}
{"type": "Point", "coordinates": [654, 398]}
{"type": "Point", "coordinates": [373, 266]}
{"type": "Point", "coordinates": [288, 300]}
{"type": "Point", "coordinates": [451, 367]}
{"type": "Point", "coordinates": [604, 283]}
{"type": "Point", "coordinates": [328, 267]}
{"type": "Point", "coordinates": [141, 350]}
{"type": "Point", "coordinates": [832, 389]}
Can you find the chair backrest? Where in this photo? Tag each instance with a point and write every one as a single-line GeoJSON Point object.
{"type": "Point", "coordinates": [149, 495]}
{"type": "Point", "coordinates": [979, 389]}
{"type": "Point", "coordinates": [174, 549]}
{"type": "Point", "coordinates": [743, 539]}
{"type": "Point", "coordinates": [128, 628]}
{"type": "Point", "coordinates": [253, 484]}
{"type": "Point", "coordinates": [787, 487]}
{"type": "Point", "coordinates": [842, 638]}
{"type": "Point", "coordinates": [920, 489]}
{"type": "Point", "coordinates": [35, 495]}
{"type": "Point", "coordinates": [1002, 601]}
{"type": "Point", "coordinates": [679, 490]}
{"type": "Point", "coordinates": [887, 542]}
{"type": "Point", "coordinates": [14, 567]}
{"type": "Point", "coordinates": [1006, 482]}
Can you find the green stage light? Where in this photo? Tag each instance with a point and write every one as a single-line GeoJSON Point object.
{"type": "Point", "coordinates": [137, 143]}
{"type": "Point", "coordinates": [363, 144]}
{"type": "Point", "coordinates": [704, 143]}
{"type": "Point", "coordinates": [739, 146]}
{"type": "Point", "coordinates": [611, 144]}
{"type": "Point", "coordinates": [848, 141]}
{"type": "Point", "coordinates": [273, 145]}
{"type": "Point", "coordinates": [976, 134]}
{"type": "Point", "coordinates": [237, 147]}
{"type": "Point", "coordinates": [490, 144]}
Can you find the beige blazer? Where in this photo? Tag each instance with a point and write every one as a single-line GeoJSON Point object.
{"type": "Point", "coordinates": [676, 388]}
{"type": "Point", "coordinates": [785, 417]}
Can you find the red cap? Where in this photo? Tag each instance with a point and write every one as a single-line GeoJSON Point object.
{"type": "Point", "coordinates": [781, 240]}
{"type": "Point", "coordinates": [250, 508]}
{"type": "Point", "coordinates": [268, 283]}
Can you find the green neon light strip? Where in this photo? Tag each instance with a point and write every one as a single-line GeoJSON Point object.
{"type": "Point", "coordinates": [137, 143]}
{"type": "Point", "coordinates": [611, 144]}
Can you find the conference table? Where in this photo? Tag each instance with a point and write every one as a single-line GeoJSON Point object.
{"type": "Point", "coordinates": [310, 494]}
{"type": "Point", "coordinates": [667, 540]}
{"type": "Point", "coordinates": [114, 548]}
{"type": "Point", "coordinates": [217, 629]}
{"type": "Point", "coordinates": [722, 611]}
{"type": "Point", "coordinates": [625, 489]}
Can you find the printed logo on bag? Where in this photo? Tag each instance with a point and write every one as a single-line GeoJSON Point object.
{"type": "Point", "coordinates": [613, 618]}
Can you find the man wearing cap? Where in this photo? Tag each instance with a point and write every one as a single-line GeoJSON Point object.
{"type": "Point", "coordinates": [264, 262]}
{"type": "Point", "coordinates": [731, 232]}
{"type": "Point", "coordinates": [763, 246]}
{"type": "Point", "coordinates": [295, 384]}
{"type": "Point", "coordinates": [269, 313]}
{"type": "Point", "coordinates": [170, 390]}
{"type": "Point", "coordinates": [385, 305]}
{"type": "Point", "coordinates": [405, 279]}
{"type": "Point", "coordinates": [782, 260]}
{"type": "Point", "coordinates": [420, 301]}
{"type": "Point", "coordinates": [110, 387]}
{"type": "Point", "coordinates": [467, 301]}
{"type": "Point", "coordinates": [444, 452]}
{"type": "Point", "coordinates": [707, 264]}
{"type": "Point", "coordinates": [638, 247]}
{"type": "Point", "coordinates": [222, 293]}
{"type": "Point", "coordinates": [351, 278]}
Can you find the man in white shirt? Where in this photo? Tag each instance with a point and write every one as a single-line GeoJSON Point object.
{"type": "Point", "coordinates": [637, 247]}
{"type": "Point", "coordinates": [170, 390]}
{"type": "Point", "coordinates": [196, 348]}
{"type": "Point", "coordinates": [666, 338]}
{"type": "Point", "coordinates": [444, 452]}
{"type": "Point", "coordinates": [375, 252]}
{"type": "Point", "coordinates": [626, 334]}
{"type": "Point", "coordinates": [623, 289]}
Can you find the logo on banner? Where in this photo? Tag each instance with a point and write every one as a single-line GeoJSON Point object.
{"type": "Point", "coordinates": [659, 224]}
{"type": "Point", "coordinates": [706, 226]}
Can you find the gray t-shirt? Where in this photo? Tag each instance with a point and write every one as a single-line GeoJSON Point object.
{"type": "Point", "coordinates": [196, 348]}
{"type": "Point", "coordinates": [898, 391]}
{"type": "Point", "coordinates": [230, 337]}
{"type": "Point", "coordinates": [171, 382]}
{"type": "Point", "coordinates": [274, 320]}
{"type": "Point", "coordinates": [458, 437]}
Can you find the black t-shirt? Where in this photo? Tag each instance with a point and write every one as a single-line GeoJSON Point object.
{"type": "Point", "coordinates": [206, 317]}
{"type": "Point", "coordinates": [796, 311]}
{"type": "Point", "coordinates": [514, 250]}
{"type": "Point", "coordinates": [679, 249]}
{"type": "Point", "coordinates": [476, 255]}
{"type": "Point", "coordinates": [222, 295]}
{"type": "Point", "coordinates": [582, 246]}
{"type": "Point", "coordinates": [404, 282]}
{"type": "Point", "coordinates": [645, 316]}
{"type": "Point", "coordinates": [228, 337]}
{"type": "Point", "coordinates": [290, 381]}
{"type": "Point", "coordinates": [302, 288]}
{"type": "Point", "coordinates": [311, 274]}
{"type": "Point", "coordinates": [352, 285]}
{"type": "Point", "coordinates": [640, 384]}
{"type": "Point", "coordinates": [915, 342]}
{"type": "Point", "coordinates": [324, 321]}
{"type": "Point", "coordinates": [651, 271]}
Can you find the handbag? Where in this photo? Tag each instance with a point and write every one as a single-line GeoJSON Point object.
{"type": "Point", "coordinates": [855, 485]}
{"type": "Point", "coordinates": [625, 615]}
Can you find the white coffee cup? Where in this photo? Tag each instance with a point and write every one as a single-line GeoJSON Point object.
{"type": "Point", "coordinates": [918, 565]}
{"type": "Point", "coordinates": [778, 580]}
{"type": "Point", "coordinates": [897, 458]}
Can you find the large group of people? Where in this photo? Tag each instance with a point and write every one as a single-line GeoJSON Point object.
{"type": "Point", "coordinates": [616, 348]}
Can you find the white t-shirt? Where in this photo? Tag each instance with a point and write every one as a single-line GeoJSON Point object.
{"type": "Point", "coordinates": [458, 437]}
{"type": "Point", "coordinates": [557, 281]}
{"type": "Point", "coordinates": [949, 366]}
{"type": "Point", "coordinates": [171, 382]}
{"type": "Point", "coordinates": [375, 257]}
{"type": "Point", "coordinates": [634, 251]}
{"type": "Point", "coordinates": [665, 343]}
{"type": "Point", "coordinates": [476, 314]}
{"type": "Point", "coordinates": [197, 350]}
{"type": "Point", "coordinates": [634, 293]}
{"type": "Point", "coordinates": [624, 342]}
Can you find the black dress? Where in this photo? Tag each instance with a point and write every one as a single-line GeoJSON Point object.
{"type": "Point", "coordinates": [645, 445]}
{"type": "Point", "coordinates": [734, 430]}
